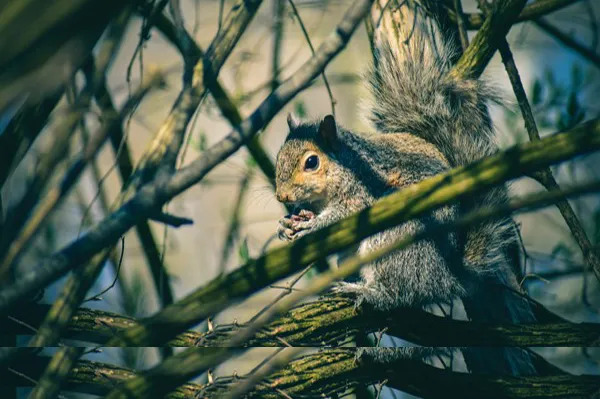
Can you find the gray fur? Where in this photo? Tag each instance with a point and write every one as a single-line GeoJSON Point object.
{"type": "Point", "coordinates": [426, 122]}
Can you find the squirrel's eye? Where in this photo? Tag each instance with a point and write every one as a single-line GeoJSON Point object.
{"type": "Point", "coordinates": [311, 163]}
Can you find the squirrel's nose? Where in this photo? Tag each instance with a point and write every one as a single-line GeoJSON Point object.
{"type": "Point", "coordinates": [282, 197]}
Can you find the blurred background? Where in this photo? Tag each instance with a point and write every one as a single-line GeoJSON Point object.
{"type": "Point", "coordinates": [234, 210]}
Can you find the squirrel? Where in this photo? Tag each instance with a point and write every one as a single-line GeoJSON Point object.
{"type": "Point", "coordinates": [426, 121]}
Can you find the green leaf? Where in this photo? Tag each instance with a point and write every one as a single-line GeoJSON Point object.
{"type": "Point", "coordinates": [300, 109]}
{"type": "Point", "coordinates": [536, 92]}
{"type": "Point", "coordinates": [572, 105]}
{"type": "Point", "coordinates": [576, 77]}
{"type": "Point", "coordinates": [199, 143]}
{"type": "Point", "coordinates": [243, 252]}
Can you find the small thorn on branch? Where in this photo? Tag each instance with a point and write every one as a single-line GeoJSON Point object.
{"type": "Point", "coordinates": [171, 220]}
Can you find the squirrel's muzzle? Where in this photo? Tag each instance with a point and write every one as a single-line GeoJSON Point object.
{"type": "Point", "coordinates": [282, 197]}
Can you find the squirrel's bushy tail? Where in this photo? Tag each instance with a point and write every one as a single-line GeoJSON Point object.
{"type": "Point", "coordinates": [412, 92]}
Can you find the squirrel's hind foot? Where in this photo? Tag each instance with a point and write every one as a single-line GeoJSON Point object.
{"type": "Point", "coordinates": [359, 290]}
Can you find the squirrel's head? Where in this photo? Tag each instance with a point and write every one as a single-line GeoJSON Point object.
{"type": "Point", "coordinates": [304, 163]}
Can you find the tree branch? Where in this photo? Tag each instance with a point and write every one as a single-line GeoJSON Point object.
{"type": "Point", "coordinates": [495, 27]}
{"type": "Point", "coordinates": [387, 212]}
{"type": "Point", "coordinates": [545, 176]}
{"type": "Point", "coordinates": [329, 373]}
{"type": "Point", "coordinates": [331, 320]}
{"type": "Point", "coordinates": [531, 11]}
{"type": "Point", "coordinates": [56, 372]}
{"type": "Point", "coordinates": [585, 52]}
{"type": "Point", "coordinates": [153, 195]}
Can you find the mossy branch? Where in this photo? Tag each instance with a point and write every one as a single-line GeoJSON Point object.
{"type": "Point", "coordinates": [331, 320]}
{"type": "Point", "coordinates": [328, 373]}
{"type": "Point", "coordinates": [387, 212]}
{"type": "Point", "coordinates": [495, 27]}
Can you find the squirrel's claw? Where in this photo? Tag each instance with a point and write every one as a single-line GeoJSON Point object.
{"type": "Point", "coordinates": [292, 227]}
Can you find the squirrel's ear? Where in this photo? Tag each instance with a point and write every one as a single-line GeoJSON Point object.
{"type": "Point", "coordinates": [328, 130]}
{"type": "Point", "coordinates": [292, 121]}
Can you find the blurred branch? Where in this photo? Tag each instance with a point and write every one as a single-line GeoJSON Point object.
{"type": "Point", "coordinates": [331, 320]}
{"type": "Point", "coordinates": [586, 52]}
{"type": "Point", "coordinates": [531, 11]}
{"type": "Point", "coordinates": [234, 219]}
{"type": "Point", "coordinates": [60, 36]}
{"type": "Point", "coordinates": [544, 176]}
{"type": "Point", "coordinates": [17, 233]}
{"type": "Point", "coordinates": [21, 132]}
{"type": "Point", "coordinates": [55, 374]}
{"type": "Point", "coordinates": [54, 196]}
{"type": "Point", "coordinates": [122, 153]}
{"type": "Point", "coordinates": [18, 214]}
{"type": "Point", "coordinates": [460, 22]}
{"type": "Point", "coordinates": [278, 30]}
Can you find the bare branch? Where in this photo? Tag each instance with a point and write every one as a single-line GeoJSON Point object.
{"type": "Point", "coordinates": [163, 188]}
{"type": "Point", "coordinates": [585, 52]}
{"type": "Point", "coordinates": [532, 11]}
{"type": "Point", "coordinates": [545, 176]}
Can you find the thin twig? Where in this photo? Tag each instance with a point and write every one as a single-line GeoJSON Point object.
{"type": "Point", "coordinates": [460, 21]}
{"type": "Point", "coordinates": [587, 53]}
{"type": "Point", "coordinates": [545, 176]}
{"type": "Point", "coordinates": [97, 297]}
{"type": "Point", "coordinates": [312, 50]}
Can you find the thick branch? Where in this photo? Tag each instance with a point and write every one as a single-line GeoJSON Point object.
{"type": "Point", "coordinates": [331, 320]}
{"type": "Point", "coordinates": [387, 212]}
{"type": "Point", "coordinates": [531, 11]}
{"type": "Point", "coordinates": [335, 372]}
{"type": "Point", "coordinates": [484, 44]}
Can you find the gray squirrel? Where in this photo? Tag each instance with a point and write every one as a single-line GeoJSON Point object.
{"type": "Point", "coordinates": [426, 121]}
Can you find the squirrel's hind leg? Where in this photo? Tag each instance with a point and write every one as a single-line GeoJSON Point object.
{"type": "Point", "coordinates": [366, 290]}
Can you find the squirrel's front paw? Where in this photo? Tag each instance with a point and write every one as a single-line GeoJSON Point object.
{"type": "Point", "coordinates": [292, 227]}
